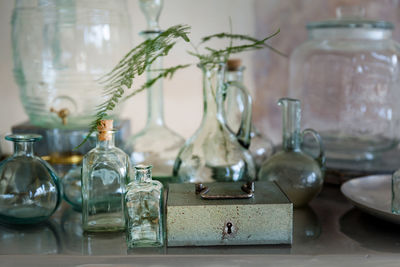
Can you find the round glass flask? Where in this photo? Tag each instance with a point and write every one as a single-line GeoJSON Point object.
{"type": "Point", "coordinates": [347, 77]}
{"type": "Point", "coordinates": [29, 187]}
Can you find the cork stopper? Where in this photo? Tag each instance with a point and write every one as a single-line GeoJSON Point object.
{"type": "Point", "coordinates": [104, 128]}
{"type": "Point", "coordinates": [234, 64]}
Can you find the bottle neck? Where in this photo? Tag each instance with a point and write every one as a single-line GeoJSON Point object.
{"type": "Point", "coordinates": [213, 82]}
{"type": "Point", "coordinates": [235, 75]}
{"type": "Point", "coordinates": [143, 174]}
{"type": "Point", "coordinates": [23, 149]}
{"type": "Point", "coordinates": [155, 103]}
{"type": "Point", "coordinates": [106, 143]}
{"type": "Point", "coordinates": [291, 116]}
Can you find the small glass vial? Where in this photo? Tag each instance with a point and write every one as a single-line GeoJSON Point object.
{"type": "Point", "coordinates": [396, 192]}
{"type": "Point", "coordinates": [104, 177]}
{"type": "Point", "coordinates": [144, 210]}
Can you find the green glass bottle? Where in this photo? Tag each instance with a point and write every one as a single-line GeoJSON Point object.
{"type": "Point", "coordinates": [105, 172]}
{"type": "Point", "coordinates": [298, 174]}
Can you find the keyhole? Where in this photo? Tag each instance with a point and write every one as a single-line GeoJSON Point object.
{"type": "Point", "coordinates": [229, 225]}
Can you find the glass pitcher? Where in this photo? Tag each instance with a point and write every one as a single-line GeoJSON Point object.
{"type": "Point", "coordinates": [214, 153]}
{"type": "Point", "coordinates": [261, 147]}
{"type": "Point", "coordinates": [299, 175]}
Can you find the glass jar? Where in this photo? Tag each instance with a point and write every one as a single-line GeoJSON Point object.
{"type": "Point", "coordinates": [214, 153]}
{"type": "Point", "coordinates": [60, 49]}
{"type": "Point", "coordinates": [347, 77]}
{"type": "Point", "coordinates": [29, 187]}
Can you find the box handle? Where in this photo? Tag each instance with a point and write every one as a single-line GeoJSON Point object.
{"type": "Point", "coordinates": [248, 188]}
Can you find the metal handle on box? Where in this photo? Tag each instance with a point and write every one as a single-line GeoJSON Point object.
{"type": "Point", "coordinates": [248, 188]}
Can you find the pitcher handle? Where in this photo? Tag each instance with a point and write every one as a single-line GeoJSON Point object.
{"type": "Point", "coordinates": [243, 134]}
{"type": "Point", "coordinates": [321, 155]}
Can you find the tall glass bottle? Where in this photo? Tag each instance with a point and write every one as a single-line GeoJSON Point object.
{"type": "Point", "coordinates": [105, 171]}
{"type": "Point", "coordinates": [29, 187]}
{"type": "Point", "coordinates": [299, 175]}
{"type": "Point", "coordinates": [156, 144]}
{"type": "Point", "coordinates": [214, 153]}
{"type": "Point", "coordinates": [261, 147]}
{"type": "Point", "coordinates": [144, 220]}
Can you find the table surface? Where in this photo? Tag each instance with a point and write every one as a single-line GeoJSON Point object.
{"type": "Point", "coordinates": [330, 229]}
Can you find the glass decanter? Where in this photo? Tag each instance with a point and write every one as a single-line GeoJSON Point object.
{"type": "Point", "coordinates": [105, 171]}
{"type": "Point", "coordinates": [144, 209]}
{"type": "Point", "coordinates": [261, 147]}
{"type": "Point", "coordinates": [156, 144]}
{"type": "Point", "coordinates": [29, 187]}
{"type": "Point", "coordinates": [299, 175]}
{"type": "Point", "coordinates": [214, 153]}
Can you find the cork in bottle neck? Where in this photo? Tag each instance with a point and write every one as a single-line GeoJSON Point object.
{"type": "Point", "coordinates": [104, 129]}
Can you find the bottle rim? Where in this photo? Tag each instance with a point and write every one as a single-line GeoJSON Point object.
{"type": "Point", "coordinates": [23, 137]}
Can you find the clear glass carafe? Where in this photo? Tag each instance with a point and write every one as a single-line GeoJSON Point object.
{"type": "Point", "coordinates": [214, 153]}
{"type": "Point", "coordinates": [29, 187]}
{"type": "Point", "coordinates": [156, 144]}
{"type": "Point", "coordinates": [105, 171]}
{"type": "Point", "coordinates": [60, 50]}
{"type": "Point", "coordinates": [144, 209]}
{"type": "Point", "coordinates": [261, 147]}
{"type": "Point", "coordinates": [347, 77]}
{"type": "Point", "coordinates": [298, 174]}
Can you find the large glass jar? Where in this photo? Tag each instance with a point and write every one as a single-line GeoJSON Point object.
{"type": "Point", "coordinates": [60, 50]}
{"type": "Point", "coordinates": [347, 77]}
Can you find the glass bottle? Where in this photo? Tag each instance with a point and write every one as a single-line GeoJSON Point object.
{"type": "Point", "coordinates": [144, 210]}
{"type": "Point", "coordinates": [29, 187]}
{"type": "Point", "coordinates": [105, 171]}
{"type": "Point", "coordinates": [214, 153]}
{"type": "Point", "coordinates": [299, 175]}
{"type": "Point", "coordinates": [261, 147]}
{"type": "Point", "coordinates": [396, 192]}
{"type": "Point", "coordinates": [156, 144]}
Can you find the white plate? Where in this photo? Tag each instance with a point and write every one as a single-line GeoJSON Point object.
{"type": "Point", "coordinates": [372, 194]}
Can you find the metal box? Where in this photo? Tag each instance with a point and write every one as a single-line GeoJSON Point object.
{"type": "Point", "coordinates": [265, 218]}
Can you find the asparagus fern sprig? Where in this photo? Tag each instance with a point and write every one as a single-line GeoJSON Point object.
{"type": "Point", "coordinates": [134, 64]}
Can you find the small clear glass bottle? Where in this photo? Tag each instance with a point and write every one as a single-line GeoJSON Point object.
{"type": "Point", "coordinates": [105, 172]}
{"type": "Point", "coordinates": [396, 192]}
{"type": "Point", "coordinates": [144, 210]}
{"type": "Point", "coordinates": [261, 147]}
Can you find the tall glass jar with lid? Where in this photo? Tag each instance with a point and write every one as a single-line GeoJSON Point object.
{"type": "Point", "coordinates": [347, 77]}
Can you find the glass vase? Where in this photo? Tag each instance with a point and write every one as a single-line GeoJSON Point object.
{"type": "Point", "coordinates": [298, 174]}
{"type": "Point", "coordinates": [29, 187]}
{"type": "Point", "coordinates": [105, 171]}
{"type": "Point", "coordinates": [156, 144]}
{"type": "Point", "coordinates": [144, 210]}
{"type": "Point", "coordinates": [214, 153]}
{"type": "Point", "coordinates": [261, 147]}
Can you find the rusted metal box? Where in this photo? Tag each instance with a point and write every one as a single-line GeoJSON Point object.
{"type": "Point", "coordinates": [204, 219]}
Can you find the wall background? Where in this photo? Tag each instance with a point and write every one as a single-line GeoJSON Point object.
{"type": "Point", "coordinates": [266, 74]}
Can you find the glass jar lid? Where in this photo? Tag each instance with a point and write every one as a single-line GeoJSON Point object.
{"type": "Point", "coordinates": [350, 17]}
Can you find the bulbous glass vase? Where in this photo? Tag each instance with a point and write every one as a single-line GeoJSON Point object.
{"type": "Point", "coordinates": [29, 187]}
{"type": "Point", "coordinates": [214, 153]}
